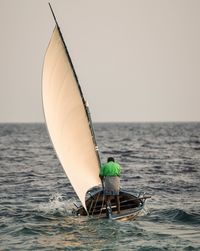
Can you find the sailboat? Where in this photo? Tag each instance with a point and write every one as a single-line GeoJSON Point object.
{"type": "Point", "coordinates": [71, 131]}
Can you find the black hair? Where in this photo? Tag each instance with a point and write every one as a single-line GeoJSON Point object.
{"type": "Point", "coordinates": [110, 159]}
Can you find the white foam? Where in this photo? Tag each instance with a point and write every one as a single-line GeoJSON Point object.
{"type": "Point", "coordinates": [58, 204]}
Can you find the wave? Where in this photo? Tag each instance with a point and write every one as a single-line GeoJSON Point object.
{"type": "Point", "coordinates": [176, 215]}
{"type": "Point", "coordinates": [182, 216]}
{"type": "Point", "coordinates": [57, 205]}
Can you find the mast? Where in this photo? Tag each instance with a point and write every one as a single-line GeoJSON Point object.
{"type": "Point", "coordinates": [87, 111]}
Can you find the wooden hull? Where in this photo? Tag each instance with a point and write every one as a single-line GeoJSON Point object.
{"type": "Point", "coordinates": [130, 206]}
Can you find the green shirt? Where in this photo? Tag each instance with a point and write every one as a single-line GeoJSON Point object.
{"type": "Point", "coordinates": [110, 169]}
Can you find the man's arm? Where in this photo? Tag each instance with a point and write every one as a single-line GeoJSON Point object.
{"type": "Point", "coordinates": [101, 173]}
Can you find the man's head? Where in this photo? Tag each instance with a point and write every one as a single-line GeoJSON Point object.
{"type": "Point", "coordinates": [110, 159]}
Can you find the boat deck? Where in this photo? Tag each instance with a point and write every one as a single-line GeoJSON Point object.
{"type": "Point", "coordinates": [130, 206]}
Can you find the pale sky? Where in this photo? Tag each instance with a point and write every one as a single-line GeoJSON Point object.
{"type": "Point", "coordinates": [136, 60]}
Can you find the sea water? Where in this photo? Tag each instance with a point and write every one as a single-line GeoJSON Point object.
{"type": "Point", "coordinates": [36, 198]}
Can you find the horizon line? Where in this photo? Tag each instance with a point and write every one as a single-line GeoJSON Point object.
{"type": "Point", "coordinates": [107, 122]}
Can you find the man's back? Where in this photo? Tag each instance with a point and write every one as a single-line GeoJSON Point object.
{"type": "Point", "coordinates": [110, 169]}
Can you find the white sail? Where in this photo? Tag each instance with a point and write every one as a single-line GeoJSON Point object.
{"type": "Point", "coordinates": [66, 119]}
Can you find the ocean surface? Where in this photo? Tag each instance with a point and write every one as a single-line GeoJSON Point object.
{"type": "Point", "coordinates": [36, 198]}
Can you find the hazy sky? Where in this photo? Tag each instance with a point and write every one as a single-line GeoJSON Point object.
{"type": "Point", "coordinates": [136, 60]}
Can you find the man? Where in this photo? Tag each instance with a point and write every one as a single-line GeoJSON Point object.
{"type": "Point", "coordinates": [109, 174]}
